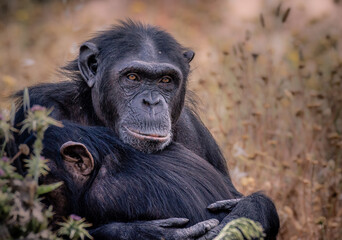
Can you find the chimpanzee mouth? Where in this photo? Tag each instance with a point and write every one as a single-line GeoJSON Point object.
{"type": "Point", "coordinates": [148, 136]}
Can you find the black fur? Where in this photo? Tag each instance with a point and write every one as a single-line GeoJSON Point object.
{"type": "Point", "coordinates": [128, 185]}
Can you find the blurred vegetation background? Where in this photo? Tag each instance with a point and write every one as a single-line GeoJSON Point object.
{"type": "Point", "coordinates": [267, 73]}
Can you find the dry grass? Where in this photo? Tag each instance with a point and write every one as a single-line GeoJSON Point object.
{"type": "Point", "coordinates": [270, 87]}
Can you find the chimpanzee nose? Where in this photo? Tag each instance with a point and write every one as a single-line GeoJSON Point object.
{"type": "Point", "coordinates": [151, 102]}
{"type": "Point", "coordinates": [151, 99]}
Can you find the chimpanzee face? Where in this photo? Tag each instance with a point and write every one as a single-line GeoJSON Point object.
{"type": "Point", "coordinates": [148, 89]}
{"type": "Point", "coordinates": [138, 81]}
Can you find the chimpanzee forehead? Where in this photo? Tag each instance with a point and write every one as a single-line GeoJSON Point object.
{"type": "Point", "coordinates": [146, 49]}
{"type": "Point", "coordinates": [149, 51]}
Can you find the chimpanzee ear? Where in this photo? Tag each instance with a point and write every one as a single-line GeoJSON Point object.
{"type": "Point", "coordinates": [77, 156]}
{"type": "Point", "coordinates": [87, 62]}
{"type": "Point", "coordinates": [189, 55]}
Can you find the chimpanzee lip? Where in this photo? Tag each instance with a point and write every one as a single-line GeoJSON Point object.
{"type": "Point", "coordinates": [147, 136]}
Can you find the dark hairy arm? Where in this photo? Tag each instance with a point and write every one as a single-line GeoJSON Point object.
{"type": "Point", "coordinates": [168, 229]}
{"type": "Point", "coordinates": [193, 134]}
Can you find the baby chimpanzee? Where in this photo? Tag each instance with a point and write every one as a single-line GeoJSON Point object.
{"type": "Point", "coordinates": [120, 190]}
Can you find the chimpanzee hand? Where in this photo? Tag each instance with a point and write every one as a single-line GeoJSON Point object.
{"type": "Point", "coordinates": [256, 207]}
{"type": "Point", "coordinates": [224, 205]}
{"type": "Point", "coordinates": [168, 229]}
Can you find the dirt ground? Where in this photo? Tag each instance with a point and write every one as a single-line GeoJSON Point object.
{"type": "Point", "coordinates": [267, 75]}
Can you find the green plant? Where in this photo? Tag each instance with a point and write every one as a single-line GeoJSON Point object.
{"type": "Point", "coordinates": [240, 229]}
{"type": "Point", "coordinates": [22, 215]}
{"type": "Point", "coordinates": [74, 228]}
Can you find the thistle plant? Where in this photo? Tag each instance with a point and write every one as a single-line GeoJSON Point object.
{"type": "Point", "coordinates": [6, 130]}
{"type": "Point", "coordinates": [22, 215]}
{"type": "Point", "coordinates": [37, 121]}
{"type": "Point", "coordinates": [74, 228]}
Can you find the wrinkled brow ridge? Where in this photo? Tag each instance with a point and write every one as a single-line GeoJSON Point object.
{"type": "Point", "coordinates": [152, 68]}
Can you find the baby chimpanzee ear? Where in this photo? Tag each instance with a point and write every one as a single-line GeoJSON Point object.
{"type": "Point", "coordinates": [77, 156]}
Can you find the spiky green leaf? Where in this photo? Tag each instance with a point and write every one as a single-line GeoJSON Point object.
{"type": "Point", "coordinates": [42, 189]}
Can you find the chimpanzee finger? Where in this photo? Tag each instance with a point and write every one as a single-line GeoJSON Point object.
{"type": "Point", "coordinates": [224, 204]}
{"type": "Point", "coordinates": [210, 235]}
{"type": "Point", "coordinates": [171, 222]}
{"type": "Point", "coordinates": [197, 230]}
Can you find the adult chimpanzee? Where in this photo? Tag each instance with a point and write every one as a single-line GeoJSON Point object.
{"type": "Point", "coordinates": [132, 79]}
{"type": "Point", "coordinates": [126, 193]}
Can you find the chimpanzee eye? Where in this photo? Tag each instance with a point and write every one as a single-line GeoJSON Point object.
{"type": "Point", "coordinates": [133, 77]}
{"type": "Point", "coordinates": [165, 79]}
